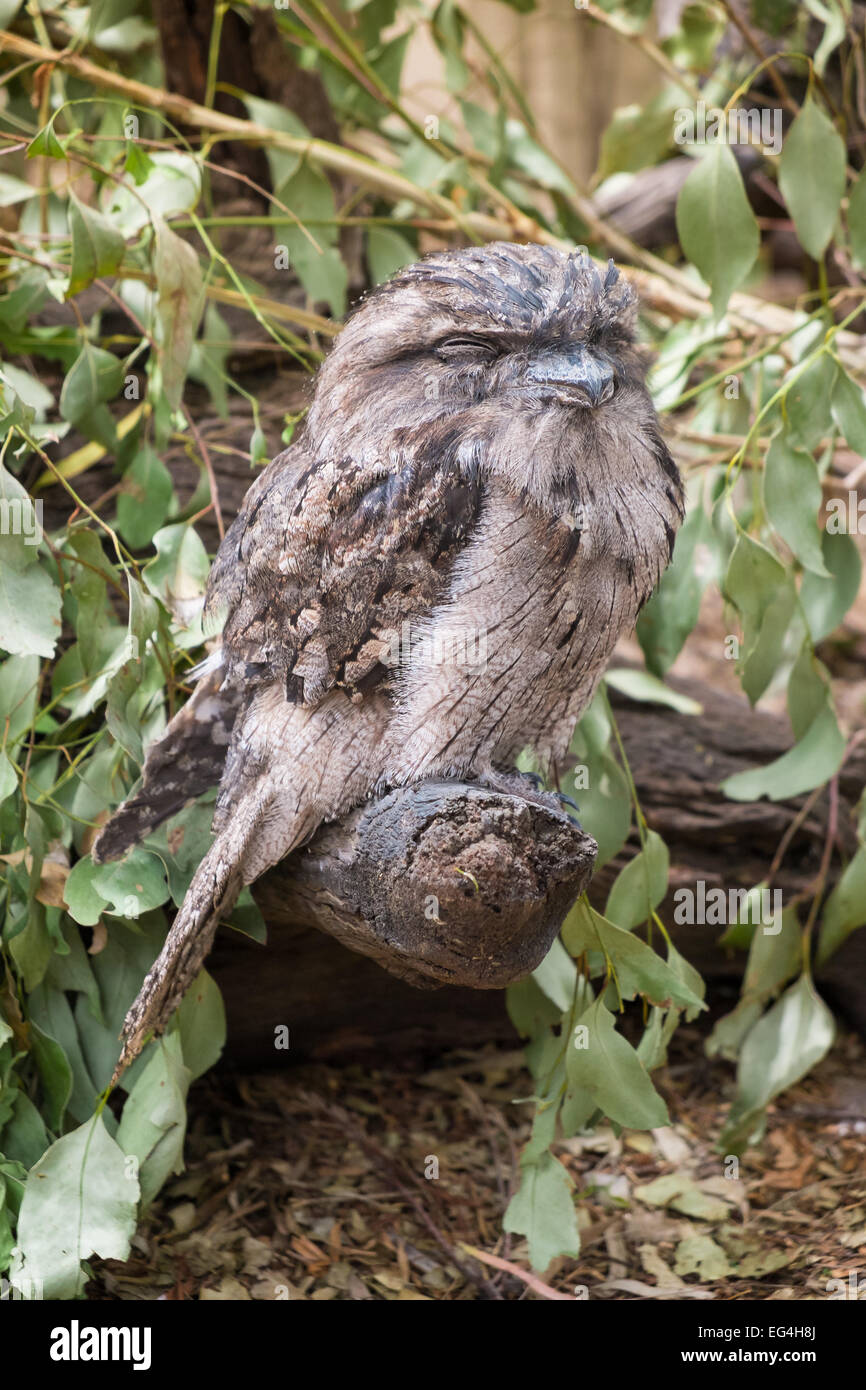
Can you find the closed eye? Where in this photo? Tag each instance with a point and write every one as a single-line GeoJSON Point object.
{"type": "Point", "coordinates": [465, 346]}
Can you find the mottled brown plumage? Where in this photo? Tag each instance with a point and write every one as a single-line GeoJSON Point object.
{"type": "Point", "coordinates": [433, 576]}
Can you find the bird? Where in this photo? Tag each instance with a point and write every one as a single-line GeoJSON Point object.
{"type": "Point", "coordinates": [429, 579]}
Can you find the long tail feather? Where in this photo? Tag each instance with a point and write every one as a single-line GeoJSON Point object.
{"type": "Point", "coordinates": [185, 762]}
{"type": "Point", "coordinates": [210, 897]}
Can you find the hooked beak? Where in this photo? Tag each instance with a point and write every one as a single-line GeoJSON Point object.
{"type": "Point", "coordinates": [579, 375]}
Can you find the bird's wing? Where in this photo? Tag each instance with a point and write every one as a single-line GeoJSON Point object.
{"type": "Point", "coordinates": [326, 561]}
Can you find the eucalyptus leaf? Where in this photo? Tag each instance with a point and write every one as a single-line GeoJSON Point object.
{"type": "Point", "coordinates": [812, 761]}
{"type": "Point", "coordinates": [80, 1200]}
{"type": "Point", "coordinates": [179, 304]}
{"type": "Point", "coordinates": [641, 885]}
{"type": "Point", "coordinates": [716, 225]}
{"type": "Point", "coordinates": [781, 1048]}
{"type": "Point", "coordinates": [812, 176]}
{"type": "Point", "coordinates": [542, 1209]}
{"type": "Point", "coordinates": [607, 1066]}
{"type": "Point", "coordinates": [845, 909]}
{"type": "Point", "coordinates": [97, 246]}
{"type": "Point", "coordinates": [792, 497]}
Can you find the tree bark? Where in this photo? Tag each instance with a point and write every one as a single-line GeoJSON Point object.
{"type": "Point", "coordinates": [443, 883]}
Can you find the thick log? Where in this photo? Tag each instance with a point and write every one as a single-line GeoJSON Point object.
{"type": "Point", "coordinates": [443, 883]}
{"type": "Point", "coordinates": [339, 1004]}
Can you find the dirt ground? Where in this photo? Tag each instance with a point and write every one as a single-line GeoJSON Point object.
{"type": "Point", "coordinates": [309, 1184]}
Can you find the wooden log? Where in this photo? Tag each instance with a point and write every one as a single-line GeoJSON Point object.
{"type": "Point", "coordinates": [338, 1004]}
{"type": "Point", "coordinates": [444, 883]}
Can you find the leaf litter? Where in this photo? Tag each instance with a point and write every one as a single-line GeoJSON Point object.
{"type": "Point", "coordinates": [319, 1183]}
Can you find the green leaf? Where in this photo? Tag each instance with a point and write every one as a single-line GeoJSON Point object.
{"type": "Point", "coordinates": [201, 1022]}
{"type": "Point", "coordinates": [598, 783]}
{"type": "Point", "coordinates": [556, 976]}
{"type": "Point", "coordinates": [46, 143]}
{"type": "Point", "coordinates": [848, 406]}
{"type": "Point", "coordinates": [79, 1201]}
{"type": "Point", "coordinates": [32, 948]}
{"type": "Point", "coordinates": [694, 40]}
{"type": "Point", "coordinates": [833, 18]}
{"type": "Point", "coordinates": [55, 1075]}
{"type": "Point", "coordinates": [14, 190]}
{"type": "Point", "coordinates": [812, 761]}
{"type": "Point", "coordinates": [763, 593]}
{"type": "Point", "coordinates": [29, 612]}
{"type": "Point", "coordinates": [146, 494]}
{"type": "Point", "coordinates": [792, 498]}
{"type": "Point", "coordinates": [774, 957]}
{"type": "Point", "coordinates": [637, 968]}
{"type": "Point", "coordinates": [210, 353]}
{"type": "Point", "coordinates": [642, 685]}
{"type": "Point", "coordinates": [781, 1048]}
{"type": "Point", "coordinates": [639, 136]}
{"type": "Point", "coordinates": [179, 303]}
{"type": "Point", "coordinates": [97, 246]}
{"type": "Point", "coordinates": [20, 529]}
{"type": "Point", "coordinates": [690, 980]}
{"type": "Point", "coordinates": [845, 909]}
{"type": "Point", "coordinates": [812, 176]}
{"type": "Point", "coordinates": [85, 904]}
{"type": "Point", "coordinates": [153, 1124]}
{"type": "Point", "coordinates": [8, 11]}
{"type": "Point", "coordinates": [49, 1011]}
{"type": "Point", "coordinates": [525, 153]}
{"type": "Point", "coordinates": [282, 163]}
{"type": "Point", "coordinates": [178, 573]}
{"type": "Point", "coordinates": [138, 163]}
{"type": "Point", "coordinates": [25, 1137]}
{"type": "Point", "coordinates": [608, 1067]}
{"type": "Point", "coordinates": [125, 36]}
{"type": "Point", "coordinates": [807, 403]}
{"type": "Point", "coordinates": [826, 601]}
{"type": "Point", "coordinates": [120, 968]}
{"type": "Point", "coordinates": [641, 885]}
{"type": "Point", "coordinates": [388, 62]}
{"type": "Point", "coordinates": [133, 886]}
{"type": "Point", "coordinates": [95, 377]}
{"type": "Point", "coordinates": [529, 1009]}
{"type": "Point", "coordinates": [672, 612]}
{"type": "Point", "coordinates": [8, 777]}
{"type": "Point", "coordinates": [318, 264]}
{"type": "Point", "coordinates": [71, 971]}
{"type": "Point", "coordinates": [716, 226]}
{"type": "Point", "coordinates": [387, 252]}
{"type": "Point", "coordinates": [542, 1209]}
{"type": "Point", "coordinates": [172, 186]}
{"type": "Point", "coordinates": [29, 597]}
{"type": "Point", "coordinates": [808, 690]}
{"type": "Point", "coordinates": [19, 680]}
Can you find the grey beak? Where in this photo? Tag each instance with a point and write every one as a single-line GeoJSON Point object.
{"type": "Point", "coordinates": [589, 376]}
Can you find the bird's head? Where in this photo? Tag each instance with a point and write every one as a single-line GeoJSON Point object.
{"type": "Point", "coordinates": [517, 357]}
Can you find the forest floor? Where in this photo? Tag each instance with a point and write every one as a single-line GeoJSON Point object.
{"type": "Point", "coordinates": [310, 1184]}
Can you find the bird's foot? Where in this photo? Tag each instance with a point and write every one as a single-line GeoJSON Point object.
{"type": "Point", "coordinates": [528, 786]}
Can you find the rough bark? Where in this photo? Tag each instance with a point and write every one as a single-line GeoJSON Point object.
{"type": "Point", "coordinates": [444, 883]}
